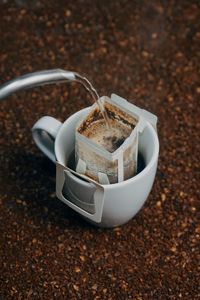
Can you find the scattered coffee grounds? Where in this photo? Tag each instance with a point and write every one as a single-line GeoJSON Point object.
{"type": "Point", "coordinates": [147, 51]}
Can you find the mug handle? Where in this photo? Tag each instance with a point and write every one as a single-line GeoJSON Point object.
{"type": "Point", "coordinates": [44, 134]}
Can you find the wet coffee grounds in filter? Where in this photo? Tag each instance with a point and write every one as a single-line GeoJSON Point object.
{"type": "Point", "coordinates": [115, 141]}
{"type": "Point", "coordinates": [110, 138]}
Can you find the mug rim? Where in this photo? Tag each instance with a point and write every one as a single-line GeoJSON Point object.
{"type": "Point", "coordinates": [151, 163]}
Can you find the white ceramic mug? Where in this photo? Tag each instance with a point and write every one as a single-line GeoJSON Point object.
{"type": "Point", "coordinates": [104, 205]}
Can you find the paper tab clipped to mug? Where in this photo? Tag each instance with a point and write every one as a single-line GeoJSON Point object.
{"type": "Point", "coordinates": [79, 192]}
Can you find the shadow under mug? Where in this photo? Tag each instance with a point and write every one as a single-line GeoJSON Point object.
{"type": "Point", "coordinates": [109, 205]}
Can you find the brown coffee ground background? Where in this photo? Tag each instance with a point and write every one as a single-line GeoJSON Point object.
{"type": "Point", "coordinates": [149, 53]}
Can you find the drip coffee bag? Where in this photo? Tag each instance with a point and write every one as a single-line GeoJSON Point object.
{"type": "Point", "coordinates": [108, 153]}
